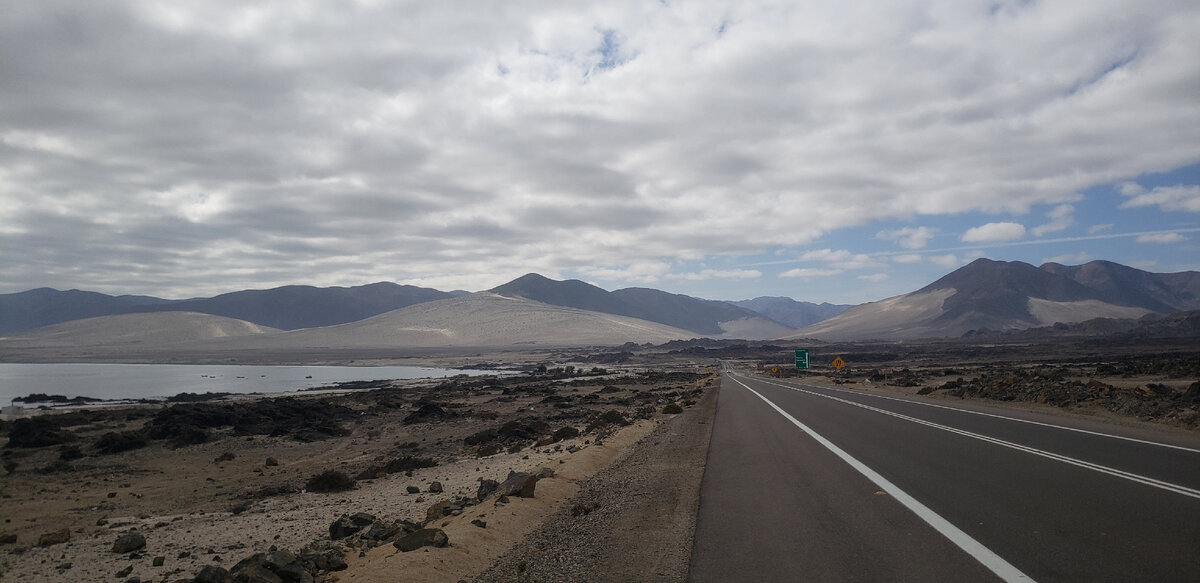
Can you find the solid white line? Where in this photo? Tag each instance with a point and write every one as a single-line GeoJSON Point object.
{"type": "Point", "coordinates": [984, 555]}
{"type": "Point", "coordinates": [1043, 424]}
{"type": "Point", "coordinates": [1145, 480]}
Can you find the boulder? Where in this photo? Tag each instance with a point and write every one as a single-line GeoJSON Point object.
{"type": "Point", "coordinates": [426, 537]}
{"type": "Point", "coordinates": [486, 487]}
{"type": "Point", "coordinates": [54, 538]}
{"type": "Point", "coordinates": [345, 525]}
{"type": "Point", "coordinates": [519, 484]}
{"type": "Point", "coordinates": [212, 574]}
{"type": "Point", "coordinates": [271, 567]}
{"type": "Point", "coordinates": [129, 542]}
{"type": "Point", "coordinates": [8, 538]}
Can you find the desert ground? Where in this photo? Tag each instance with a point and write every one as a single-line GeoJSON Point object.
{"type": "Point", "coordinates": [609, 442]}
{"type": "Point", "coordinates": [210, 483]}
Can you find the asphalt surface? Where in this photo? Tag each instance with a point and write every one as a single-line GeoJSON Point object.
{"type": "Point", "coordinates": [1022, 501]}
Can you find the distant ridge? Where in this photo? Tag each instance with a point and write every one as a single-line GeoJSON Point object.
{"type": "Point", "coordinates": [285, 308]}
{"type": "Point", "coordinates": [999, 296]}
{"type": "Point", "coordinates": [702, 317]}
{"type": "Point", "coordinates": [791, 312]}
{"type": "Point", "coordinates": [45, 306]}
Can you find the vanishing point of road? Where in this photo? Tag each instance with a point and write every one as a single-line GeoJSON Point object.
{"type": "Point", "coordinates": [807, 483]}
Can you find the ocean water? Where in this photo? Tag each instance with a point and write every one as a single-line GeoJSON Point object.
{"type": "Point", "coordinates": [149, 381]}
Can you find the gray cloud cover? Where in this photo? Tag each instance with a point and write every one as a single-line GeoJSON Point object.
{"type": "Point", "coordinates": [192, 149]}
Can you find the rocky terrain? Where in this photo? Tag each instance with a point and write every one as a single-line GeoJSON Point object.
{"type": "Point", "coordinates": [320, 487]}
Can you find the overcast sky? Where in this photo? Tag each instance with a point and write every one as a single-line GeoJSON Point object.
{"type": "Point", "coordinates": [828, 151]}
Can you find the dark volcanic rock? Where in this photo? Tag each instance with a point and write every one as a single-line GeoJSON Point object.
{"type": "Point", "coordinates": [395, 466]}
{"type": "Point", "coordinates": [271, 567]}
{"type": "Point", "coordinates": [129, 542]}
{"type": "Point", "coordinates": [212, 574]}
{"type": "Point", "coordinates": [486, 487]}
{"type": "Point", "coordinates": [518, 484]}
{"type": "Point", "coordinates": [330, 481]}
{"type": "Point", "coordinates": [113, 442]}
{"type": "Point", "coordinates": [301, 419]}
{"type": "Point", "coordinates": [426, 537]}
{"type": "Point", "coordinates": [348, 525]}
{"type": "Point", "coordinates": [54, 538]}
{"type": "Point", "coordinates": [37, 432]}
{"type": "Point", "coordinates": [427, 412]}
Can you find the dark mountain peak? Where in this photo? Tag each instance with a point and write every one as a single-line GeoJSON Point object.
{"type": "Point", "coordinates": [1128, 286]}
{"type": "Point", "coordinates": [570, 293]}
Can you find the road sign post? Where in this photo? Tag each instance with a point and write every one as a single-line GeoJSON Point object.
{"type": "Point", "coordinates": [838, 363]}
{"type": "Point", "coordinates": [801, 359]}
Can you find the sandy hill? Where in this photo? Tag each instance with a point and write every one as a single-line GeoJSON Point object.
{"type": "Point", "coordinates": [149, 330]}
{"type": "Point", "coordinates": [709, 318]}
{"type": "Point", "coordinates": [480, 319]}
{"type": "Point", "coordinates": [999, 295]}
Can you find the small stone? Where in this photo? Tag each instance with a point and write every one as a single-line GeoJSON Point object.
{"type": "Point", "coordinates": [413, 490]}
{"type": "Point", "coordinates": [125, 572]}
{"type": "Point", "coordinates": [479, 523]}
{"type": "Point", "coordinates": [435, 488]}
{"type": "Point", "coordinates": [271, 462]}
{"type": "Point", "coordinates": [8, 538]}
{"type": "Point", "coordinates": [158, 561]}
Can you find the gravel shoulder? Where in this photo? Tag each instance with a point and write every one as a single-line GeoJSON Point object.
{"type": "Point", "coordinates": [634, 521]}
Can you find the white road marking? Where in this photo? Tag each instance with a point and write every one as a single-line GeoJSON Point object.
{"type": "Point", "coordinates": [1018, 419]}
{"type": "Point", "coordinates": [984, 555]}
{"type": "Point", "coordinates": [1168, 486]}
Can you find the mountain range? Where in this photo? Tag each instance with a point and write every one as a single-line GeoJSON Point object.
{"type": "Point", "coordinates": [999, 296]}
{"type": "Point", "coordinates": [983, 296]}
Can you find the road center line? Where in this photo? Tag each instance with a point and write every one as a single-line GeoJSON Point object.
{"type": "Point", "coordinates": [984, 555]}
{"type": "Point", "coordinates": [1018, 419]}
{"type": "Point", "coordinates": [1168, 486]}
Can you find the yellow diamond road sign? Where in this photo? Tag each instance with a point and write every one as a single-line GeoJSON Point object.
{"type": "Point", "coordinates": [838, 363]}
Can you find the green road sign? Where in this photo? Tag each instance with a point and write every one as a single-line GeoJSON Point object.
{"type": "Point", "coordinates": [802, 359]}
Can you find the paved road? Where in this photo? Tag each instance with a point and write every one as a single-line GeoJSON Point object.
{"type": "Point", "coordinates": [820, 484]}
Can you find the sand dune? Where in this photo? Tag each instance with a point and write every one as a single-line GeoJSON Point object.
{"type": "Point", "coordinates": [481, 319]}
{"type": "Point", "coordinates": [154, 329]}
{"type": "Point", "coordinates": [903, 316]}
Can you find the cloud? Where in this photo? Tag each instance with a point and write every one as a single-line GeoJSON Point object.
{"type": "Point", "coordinates": [908, 237]}
{"type": "Point", "coordinates": [1094, 229]}
{"type": "Point", "coordinates": [1060, 218]}
{"type": "Point", "coordinates": [646, 272]}
{"type": "Point", "coordinates": [211, 146]}
{"type": "Point", "coordinates": [1161, 238]}
{"type": "Point", "coordinates": [806, 272]}
{"type": "Point", "coordinates": [907, 258]}
{"type": "Point", "coordinates": [875, 277]}
{"type": "Point", "coordinates": [1070, 259]}
{"type": "Point", "coordinates": [993, 232]}
{"type": "Point", "coordinates": [706, 274]}
{"type": "Point", "coordinates": [1168, 198]}
{"type": "Point", "coordinates": [843, 258]}
{"type": "Point", "coordinates": [947, 261]}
